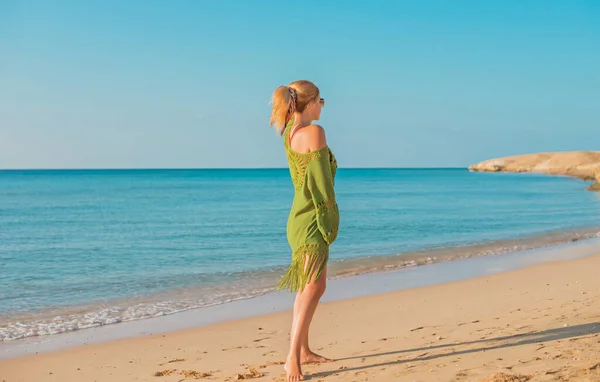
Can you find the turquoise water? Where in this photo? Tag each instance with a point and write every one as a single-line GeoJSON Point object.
{"type": "Point", "coordinates": [87, 248]}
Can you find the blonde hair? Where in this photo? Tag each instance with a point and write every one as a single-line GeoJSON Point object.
{"type": "Point", "coordinates": [288, 99]}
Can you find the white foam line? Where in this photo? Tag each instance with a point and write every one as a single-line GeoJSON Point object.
{"type": "Point", "coordinates": [340, 289]}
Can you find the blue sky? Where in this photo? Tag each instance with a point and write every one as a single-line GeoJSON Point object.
{"type": "Point", "coordinates": [128, 84]}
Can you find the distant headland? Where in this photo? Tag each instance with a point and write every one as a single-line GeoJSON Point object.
{"type": "Point", "coordinates": [584, 165]}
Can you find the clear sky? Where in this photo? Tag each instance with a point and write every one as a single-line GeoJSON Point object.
{"type": "Point", "coordinates": [128, 84]}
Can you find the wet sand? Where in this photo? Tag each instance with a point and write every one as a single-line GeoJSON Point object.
{"type": "Point", "coordinates": [539, 323]}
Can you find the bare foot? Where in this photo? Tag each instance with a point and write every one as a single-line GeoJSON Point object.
{"type": "Point", "coordinates": [293, 370]}
{"type": "Point", "coordinates": [311, 357]}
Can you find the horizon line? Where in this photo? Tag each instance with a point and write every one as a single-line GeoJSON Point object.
{"type": "Point", "coordinates": [217, 168]}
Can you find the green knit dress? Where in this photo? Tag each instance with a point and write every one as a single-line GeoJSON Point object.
{"type": "Point", "coordinates": [314, 217]}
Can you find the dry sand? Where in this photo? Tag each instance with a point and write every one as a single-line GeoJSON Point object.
{"type": "Point", "coordinates": [540, 323]}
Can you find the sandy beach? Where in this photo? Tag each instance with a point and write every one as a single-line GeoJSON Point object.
{"type": "Point", "coordinates": [538, 323]}
{"type": "Point", "coordinates": [170, 172]}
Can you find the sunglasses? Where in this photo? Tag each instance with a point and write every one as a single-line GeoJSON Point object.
{"type": "Point", "coordinates": [322, 102]}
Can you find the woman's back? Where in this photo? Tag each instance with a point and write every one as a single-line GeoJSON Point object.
{"type": "Point", "coordinates": [304, 139]}
{"type": "Point", "coordinates": [307, 144]}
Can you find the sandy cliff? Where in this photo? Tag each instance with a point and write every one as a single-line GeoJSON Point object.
{"type": "Point", "coordinates": [580, 164]}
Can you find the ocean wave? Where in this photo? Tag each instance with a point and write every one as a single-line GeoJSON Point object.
{"type": "Point", "coordinates": [244, 286]}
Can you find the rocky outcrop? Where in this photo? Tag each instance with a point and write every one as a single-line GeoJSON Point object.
{"type": "Point", "coordinates": [596, 185]}
{"type": "Point", "coordinates": [584, 165]}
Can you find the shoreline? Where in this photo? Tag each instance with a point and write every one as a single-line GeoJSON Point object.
{"type": "Point", "coordinates": [339, 289]}
{"type": "Point", "coordinates": [536, 322]}
{"type": "Point", "coordinates": [109, 311]}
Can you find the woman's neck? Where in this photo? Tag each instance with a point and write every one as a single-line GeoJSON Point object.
{"type": "Point", "coordinates": [301, 120]}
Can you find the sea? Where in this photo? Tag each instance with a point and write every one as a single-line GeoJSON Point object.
{"type": "Point", "coordinates": [87, 248]}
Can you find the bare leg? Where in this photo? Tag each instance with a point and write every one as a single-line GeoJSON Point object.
{"type": "Point", "coordinates": [307, 356]}
{"type": "Point", "coordinates": [304, 309]}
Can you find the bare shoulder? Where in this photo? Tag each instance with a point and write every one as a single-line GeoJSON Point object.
{"type": "Point", "coordinates": [316, 137]}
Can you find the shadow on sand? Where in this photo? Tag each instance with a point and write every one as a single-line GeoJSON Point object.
{"type": "Point", "coordinates": [487, 344]}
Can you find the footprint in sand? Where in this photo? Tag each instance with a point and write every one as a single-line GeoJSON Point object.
{"type": "Point", "coordinates": [461, 373]}
{"type": "Point", "coordinates": [172, 361]}
{"type": "Point", "coordinates": [262, 339]}
{"type": "Point", "coordinates": [188, 374]}
{"type": "Point", "coordinates": [193, 374]}
{"type": "Point", "coordinates": [251, 373]}
{"type": "Point", "coordinates": [272, 363]}
{"type": "Point", "coordinates": [235, 348]}
{"type": "Point", "coordinates": [504, 377]}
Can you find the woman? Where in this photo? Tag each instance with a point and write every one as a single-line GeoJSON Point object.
{"type": "Point", "coordinates": [314, 217]}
